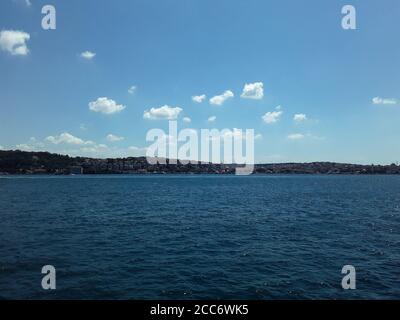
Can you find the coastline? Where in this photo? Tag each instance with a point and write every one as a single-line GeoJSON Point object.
{"type": "Point", "coordinates": [44, 163]}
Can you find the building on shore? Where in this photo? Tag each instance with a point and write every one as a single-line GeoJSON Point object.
{"type": "Point", "coordinates": [76, 170]}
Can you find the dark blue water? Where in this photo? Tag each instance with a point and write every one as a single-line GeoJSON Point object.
{"type": "Point", "coordinates": [189, 237]}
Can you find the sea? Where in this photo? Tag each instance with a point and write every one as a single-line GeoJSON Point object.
{"type": "Point", "coordinates": [168, 237]}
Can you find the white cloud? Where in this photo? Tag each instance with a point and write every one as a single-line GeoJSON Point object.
{"type": "Point", "coordinates": [66, 143]}
{"type": "Point", "coordinates": [219, 100]}
{"type": "Point", "coordinates": [14, 42]}
{"type": "Point", "coordinates": [272, 117]}
{"type": "Point", "coordinates": [1, 148]}
{"type": "Point", "coordinates": [136, 151]}
{"type": "Point", "coordinates": [88, 55]}
{"type": "Point", "coordinates": [300, 136]}
{"type": "Point", "coordinates": [187, 120]}
{"type": "Point", "coordinates": [67, 138]}
{"type": "Point", "coordinates": [253, 91]}
{"type": "Point", "coordinates": [32, 145]}
{"type": "Point", "coordinates": [132, 90]}
{"type": "Point", "coordinates": [199, 99]}
{"type": "Point", "coordinates": [27, 3]}
{"type": "Point", "coordinates": [300, 117]}
{"type": "Point", "coordinates": [383, 101]}
{"type": "Point", "coordinates": [114, 138]}
{"type": "Point", "coordinates": [258, 136]}
{"type": "Point", "coordinates": [104, 151]}
{"type": "Point", "coordinates": [296, 136]}
{"type": "Point", "coordinates": [94, 149]}
{"type": "Point", "coordinates": [91, 149]}
{"type": "Point", "coordinates": [162, 113]}
{"type": "Point", "coordinates": [25, 147]}
{"type": "Point", "coordinates": [212, 119]}
{"type": "Point", "coordinates": [106, 106]}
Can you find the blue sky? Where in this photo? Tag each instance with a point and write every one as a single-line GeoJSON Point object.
{"type": "Point", "coordinates": [174, 50]}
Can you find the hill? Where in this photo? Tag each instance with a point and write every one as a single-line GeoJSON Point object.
{"type": "Point", "coordinates": [21, 162]}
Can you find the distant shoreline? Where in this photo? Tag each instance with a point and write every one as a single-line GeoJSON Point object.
{"type": "Point", "coordinates": [36, 163]}
{"type": "Point", "coordinates": [34, 175]}
{"type": "Point", "coordinates": [41, 163]}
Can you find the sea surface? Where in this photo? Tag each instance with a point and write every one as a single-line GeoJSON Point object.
{"type": "Point", "coordinates": [200, 237]}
